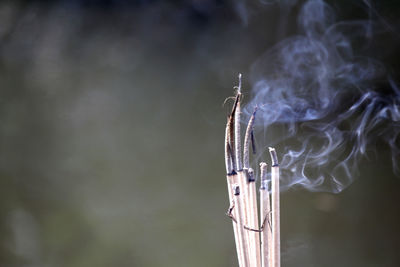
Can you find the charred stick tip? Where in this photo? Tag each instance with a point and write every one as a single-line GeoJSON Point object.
{"type": "Point", "coordinates": [253, 145]}
{"type": "Point", "coordinates": [235, 104]}
{"type": "Point", "coordinates": [251, 177]}
{"type": "Point", "coordinates": [274, 157]}
{"type": "Point", "coordinates": [231, 129]}
{"type": "Point", "coordinates": [255, 110]}
{"type": "Point", "coordinates": [232, 156]}
{"type": "Point", "coordinates": [230, 168]}
{"type": "Point", "coordinates": [236, 190]}
{"type": "Point", "coordinates": [231, 140]}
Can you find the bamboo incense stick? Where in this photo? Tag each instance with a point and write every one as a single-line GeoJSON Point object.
{"type": "Point", "coordinates": [243, 181]}
{"type": "Point", "coordinates": [236, 227]}
{"type": "Point", "coordinates": [240, 221]}
{"type": "Point", "coordinates": [265, 210]}
{"type": "Point", "coordinates": [238, 152]}
{"type": "Point", "coordinates": [276, 243]}
{"type": "Point", "coordinates": [245, 206]}
{"type": "Point", "coordinates": [246, 214]}
{"type": "Point", "coordinates": [232, 178]}
{"type": "Point", "coordinates": [254, 237]}
{"type": "Point", "coordinates": [251, 251]}
{"type": "Point", "coordinates": [247, 183]}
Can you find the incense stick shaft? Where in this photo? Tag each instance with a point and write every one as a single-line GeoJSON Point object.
{"type": "Point", "coordinates": [231, 180]}
{"type": "Point", "coordinates": [276, 232]}
{"type": "Point", "coordinates": [266, 233]}
{"type": "Point", "coordinates": [276, 262]}
{"type": "Point", "coordinates": [240, 211]}
{"type": "Point", "coordinates": [265, 218]}
{"type": "Point", "coordinates": [245, 205]}
{"type": "Point", "coordinates": [254, 237]}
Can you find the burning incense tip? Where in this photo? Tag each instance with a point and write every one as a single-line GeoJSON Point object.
{"type": "Point", "coordinates": [274, 157]}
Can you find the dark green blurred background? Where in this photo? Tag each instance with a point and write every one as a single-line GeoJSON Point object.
{"type": "Point", "coordinates": [111, 138]}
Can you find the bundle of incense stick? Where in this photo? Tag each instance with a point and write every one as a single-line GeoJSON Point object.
{"type": "Point", "coordinates": [257, 244]}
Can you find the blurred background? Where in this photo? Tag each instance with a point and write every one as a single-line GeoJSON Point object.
{"type": "Point", "coordinates": [111, 137]}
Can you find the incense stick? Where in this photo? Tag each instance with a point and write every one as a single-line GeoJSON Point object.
{"type": "Point", "coordinates": [240, 221]}
{"type": "Point", "coordinates": [254, 237]}
{"type": "Point", "coordinates": [265, 210]}
{"type": "Point", "coordinates": [247, 183]}
{"type": "Point", "coordinates": [238, 157]}
{"type": "Point", "coordinates": [245, 205]}
{"type": "Point", "coordinates": [237, 229]}
{"type": "Point", "coordinates": [251, 189]}
{"type": "Point", "coordinates": [276, 242]}
{"type": "Point", "coordinates": [251, 251]}
{"type": "Point", "coordinates": [248, 214]}
{"type": "Point", "coordinates": [232, 178]}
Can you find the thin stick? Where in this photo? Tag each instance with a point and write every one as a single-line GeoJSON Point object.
{"type": "Point", "coordinates": [232, 178]}
{"type": "Point", "coordinates": [265, 210]}
{"type": "Point", "coordinates": [254, 238]}
{"type": "Point", "coordinates": [245, 206]}
{"type": "Point", "coordinates": [242, 178]}
{"type": "Point", "coordinates": [240, 216]}
{"type": "Point", "coordinates": [276, 242]}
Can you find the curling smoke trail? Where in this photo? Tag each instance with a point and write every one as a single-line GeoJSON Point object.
{"type": "Point", "coordinates": [323, 91]}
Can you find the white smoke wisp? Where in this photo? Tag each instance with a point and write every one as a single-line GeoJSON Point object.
{"type": "Point", "coordinates": [321, 92]}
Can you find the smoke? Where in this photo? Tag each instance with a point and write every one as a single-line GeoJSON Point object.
{"type": "Point", "coordinates": [325, 102]}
